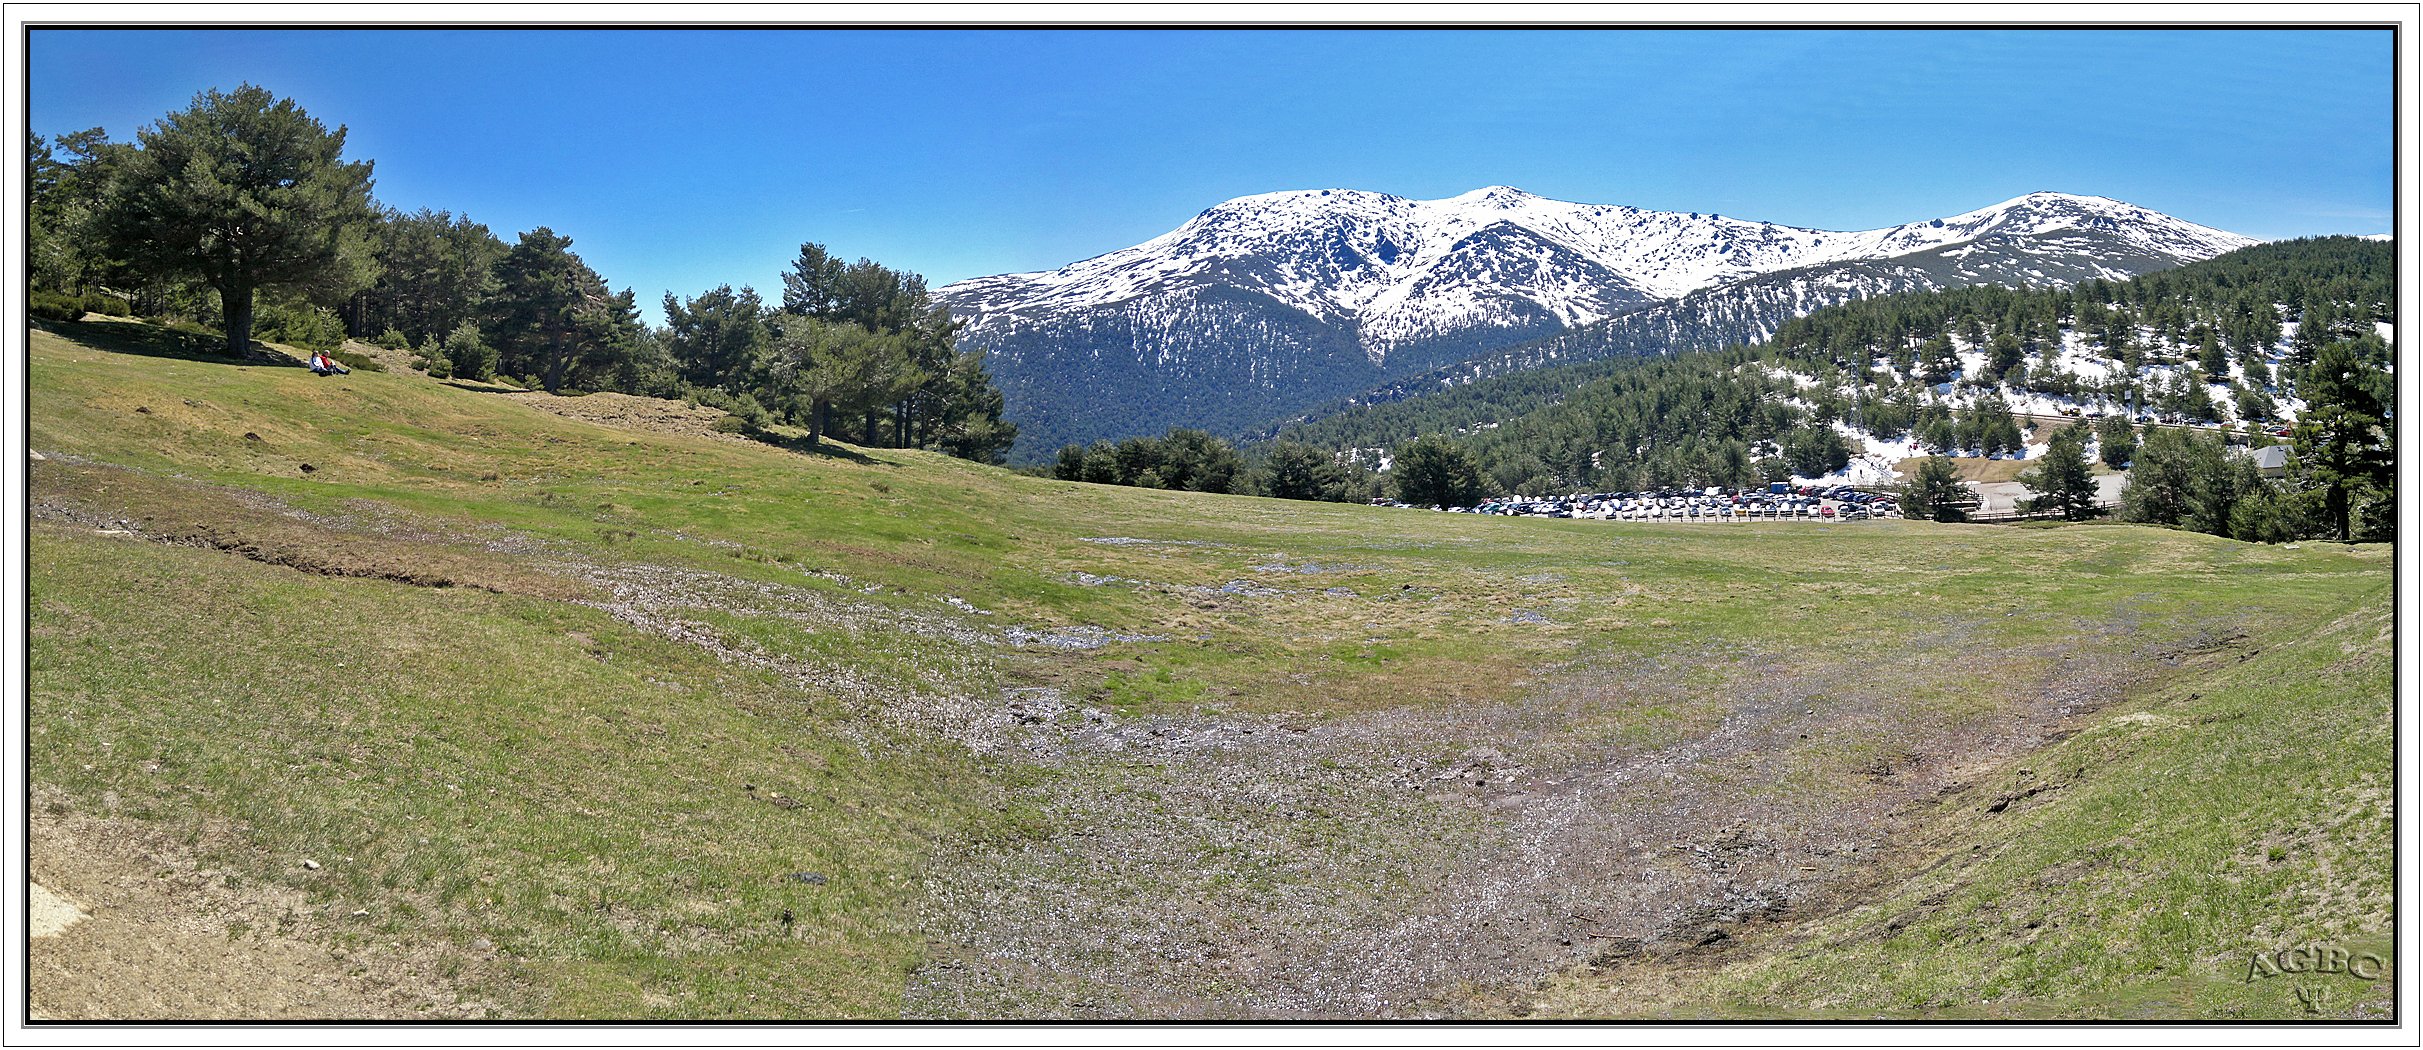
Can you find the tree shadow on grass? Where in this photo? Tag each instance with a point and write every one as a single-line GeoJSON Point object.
{"type": "Point", "coordinates": [828, 448]}
{"type": "Point", "coordinates": [149, 340]}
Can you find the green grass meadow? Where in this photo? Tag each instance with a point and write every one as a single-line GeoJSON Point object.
{"type": "Point", "coordinates": [624, 816]}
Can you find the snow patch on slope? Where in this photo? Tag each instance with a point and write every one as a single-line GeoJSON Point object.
{"type": "Point", "coordinates": [1402, 269]}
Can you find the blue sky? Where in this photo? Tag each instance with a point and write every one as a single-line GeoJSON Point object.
{"type": "Point", "coordinates": [683, 159]}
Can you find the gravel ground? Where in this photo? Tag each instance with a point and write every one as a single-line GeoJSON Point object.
{"type": "Point", "coordinates": [1420, 863]}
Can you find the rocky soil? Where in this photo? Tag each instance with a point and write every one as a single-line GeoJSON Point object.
{"type": "Point", "coordinates": [1422, 862]}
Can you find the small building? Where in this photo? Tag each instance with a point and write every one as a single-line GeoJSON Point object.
{"type": "Point", "coordinates": [2271, 460]}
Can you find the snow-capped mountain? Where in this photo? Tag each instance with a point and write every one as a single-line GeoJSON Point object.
{"type": "Point", "coordinates": [1275, 302]}
{"type": "Point", "coordinates": [1750, 310]}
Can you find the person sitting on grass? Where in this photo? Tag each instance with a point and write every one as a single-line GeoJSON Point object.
{"type": "Point", "coordinates": [324, 365]}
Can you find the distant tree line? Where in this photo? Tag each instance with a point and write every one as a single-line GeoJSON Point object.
{"type": "Point", "coordinates": [1195, 461]}
{"type": "Point", "coordinates": [2257, 324]}
{"type": "Point", "coordinates": [2340, 481]}
{"type": "Point", "coordinates": [241, 214]}
{"type": "Point", "coordinates": [2169, 337]}
{"type": "Point", "coordinates": [1425, 472]}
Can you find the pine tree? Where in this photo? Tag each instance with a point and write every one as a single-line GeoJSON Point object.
{"type": "Point", "coordinates": [2194, 481]}
{"type": "Point", "coordinates": [2313, 333]}
{"type": "Point", "coordinates": [812, 286]}
{"type": "Point", "coordinates": [1809, 450]}
{"type": "Point", "coordinates": [717, 340]}
{"type": "Point", "coordinates": [2162, 479]}
{"type": "Point", "coordinates": [2343, 439]}
{"type": "Point", "coordinates": [553, 317]}
{"type": "Point", "coordinates": [966, 421]}
{"type": "Point", "coordinates": [1432, 471]}
{"type": "Point", "coordinates": [247, 193]}
{"type": "Point", "coordinates": [2061, 480]}
{"type": "Point", "coordinates": [2116, 441]}
{"type": "Point", "coordinates": [436, 271]}
{"type": "Point", "coordinates": [1299, 471]}
{"type": "Point", "coordinates": [2005, 355]}
{"type": "Point", "coordinates": [824, 369]}
{"type": "Point", "coordinates": [1940, 360]}
{"type": "Point", "coordinates": [67, 181]}
{"type": "Point", "coordinates": [468, 355]}
{"type": "Point", "coordinates": [1195, 461]}
{"type": "Point", "coordinates": [1936, 492]}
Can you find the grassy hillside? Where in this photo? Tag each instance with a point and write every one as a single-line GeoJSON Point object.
{"type": "Point", "coordinates": [2133, 870]}
{"type": "Point", "coordinates": [580, 721]}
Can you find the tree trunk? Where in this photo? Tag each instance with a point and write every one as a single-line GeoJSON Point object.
{"type": "Point", "coordinates": [816, 418]}
{"type": "Point", "coordinates": [868, 435]}
{"type": "Point", "coordinates": [236, 303]}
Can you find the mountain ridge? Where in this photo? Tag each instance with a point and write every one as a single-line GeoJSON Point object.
{"type": "Point", "coordinates": [1751, 310]}
{"type": "Point", "coordinates": [1129, 341]}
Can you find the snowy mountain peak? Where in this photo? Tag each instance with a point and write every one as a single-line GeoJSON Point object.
{"type": "Point", "coordinates": [1281, 293]}
{"type": "Point", "coordinates": [2045, 211]}
{"type": "Point", "coordinates": [1356, 256]}
{"type": "Point", "coordinates": [1497, 197]}
{"type": "Point", "coordinates": [2058, 197]}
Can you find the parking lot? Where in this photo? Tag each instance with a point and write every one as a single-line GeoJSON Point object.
{"type": "Point", "coordinates": [1712, 505]}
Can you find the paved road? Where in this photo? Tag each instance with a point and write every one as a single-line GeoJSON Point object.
{"type": "Point", "coordinates": [2002, 497]}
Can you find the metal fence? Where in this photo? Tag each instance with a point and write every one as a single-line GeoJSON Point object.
{"type": "Point", "coordinates": [2101, 509]}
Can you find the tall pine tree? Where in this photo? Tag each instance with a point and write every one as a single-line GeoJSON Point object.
{"type": "Point", "coordinates": [2061, 480]}
{"type": "Point", "coordinates": [247, 193]}
{"type": "Point", "coordinates": [2344, 440]}
{"type": "Point", "coordinates": [553, 318]}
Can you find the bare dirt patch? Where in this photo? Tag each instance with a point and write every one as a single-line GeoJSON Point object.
{"type": "Point", "coordinates": [171, 938]}
{"type": "Point", "coordinates": [398, 360]}
{"type": "Point", "coordinates": [1434, 863]}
